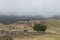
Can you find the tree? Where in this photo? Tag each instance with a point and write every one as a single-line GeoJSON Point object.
{"type": "Point", "coordinates": [40, 27]}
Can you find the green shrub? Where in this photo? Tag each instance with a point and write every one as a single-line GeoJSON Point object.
{"type": "Point", "coordinates": [25, 30]}
{"type": "Point", "coordinates": [2, 30]}
{"type": "Point", "coordinates": [39, 27]}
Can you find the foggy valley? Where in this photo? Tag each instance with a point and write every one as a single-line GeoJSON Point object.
{"type": "Point", "coordinates": [29, 19]}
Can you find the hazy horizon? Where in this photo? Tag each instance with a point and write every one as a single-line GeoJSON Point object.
{"type": "Point", "coordinates": [45, 8]}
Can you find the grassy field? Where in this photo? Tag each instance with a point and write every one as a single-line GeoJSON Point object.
{"type": "Point", "coordinates": [52, 32]}
{"type": "Point", "coordinates": [40, 37]}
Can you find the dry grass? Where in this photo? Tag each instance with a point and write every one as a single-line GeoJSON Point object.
{"type": "Point", "coordinates": [53, 27]}
{"type": "Point", "coordinates": [53, 32]}
{"type": "Point", "coordinates": [40, 37]}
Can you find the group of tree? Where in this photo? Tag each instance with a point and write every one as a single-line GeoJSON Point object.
{"type": "Point", "coordinates": [40, 27]}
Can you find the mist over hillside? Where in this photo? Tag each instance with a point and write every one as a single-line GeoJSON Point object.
{"type": "Point", "coordinates": [5, 19]}
{"type": "Point", "coordinates": [13, 19]}
{"type": "Point", "coordinates": [55, 17]}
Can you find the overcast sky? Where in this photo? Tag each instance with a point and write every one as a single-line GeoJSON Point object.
{"type": "Point", "coordinates": [44, 8]}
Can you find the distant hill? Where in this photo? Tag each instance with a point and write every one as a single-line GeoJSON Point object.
{"type": "Point", "coordinates": [55, 17]}
{"type": "Point", "coordinates": [14, 19]}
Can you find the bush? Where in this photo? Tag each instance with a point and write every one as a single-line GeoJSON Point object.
{"type": "Point", "coordinates": [2, 30]}
{"type": "Point", "coordinates": [39, 27]}
{"type": "Point", "coordinates": [25, 30]}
